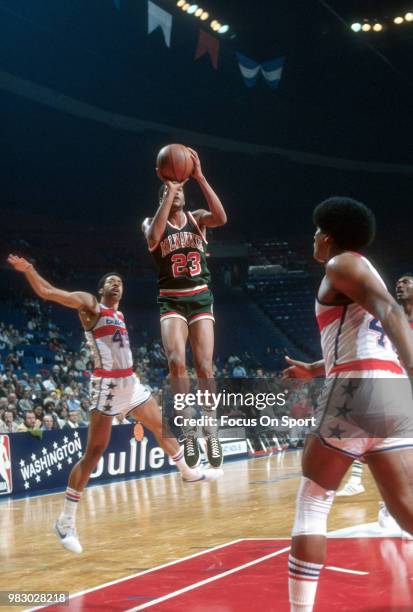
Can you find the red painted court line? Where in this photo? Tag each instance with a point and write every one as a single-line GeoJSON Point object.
{"type": "Point", "coordinates": [159, 582]}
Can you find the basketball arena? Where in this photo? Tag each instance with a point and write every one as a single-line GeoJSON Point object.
{"type": "Point", "coordinates": [206, 306]}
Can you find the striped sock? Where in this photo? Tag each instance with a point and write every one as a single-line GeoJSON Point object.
{"type": "Point", "coordinates": [356, 472]}
{"type": "Point", "coordinates": [179, 455]}
{"type": "Point", "coordinates": [302, 584]}
{"type": "Point", "coordinates": [70, 504]}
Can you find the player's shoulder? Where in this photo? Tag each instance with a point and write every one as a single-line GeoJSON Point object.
{"type": "Point", "coordinates": [347, 263]}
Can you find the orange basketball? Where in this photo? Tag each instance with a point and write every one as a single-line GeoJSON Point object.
{"type": "Point", "coordinates": [174, 163]}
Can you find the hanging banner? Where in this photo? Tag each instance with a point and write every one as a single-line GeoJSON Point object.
{"type": "Point", "coordinates": [207, 44]}
{"type": "Point", "coordinates": [272, 71]}
{"type": "Point", "coordinates": [249, 69]}
{"type": "Point", "coordinates": [158, 18]}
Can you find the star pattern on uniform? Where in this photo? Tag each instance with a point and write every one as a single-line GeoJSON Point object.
{"type": "Point", "coordinates": [335, 432]}
{"type": "Point", "coordinates": [107, 407]}
{"type": "Point", "coordinates": [110, 397]}
{"type": "Point", "coordinates": [111, 385]}
{"type": "Point", "coordinates": [342, 411]}
{"type": "Point", "coordinates": [350, 388]}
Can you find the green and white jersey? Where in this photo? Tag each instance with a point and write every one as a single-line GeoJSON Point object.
{"type": "Point", "coordinates": [180, 257]}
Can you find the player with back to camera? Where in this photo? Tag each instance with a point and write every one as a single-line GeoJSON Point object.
{"type": "Point", "coordinates": [115, 388]}
{"type": "Point", "coordinates": [177, 240]}
{"type": "Point", "coordinates": [366, 406]}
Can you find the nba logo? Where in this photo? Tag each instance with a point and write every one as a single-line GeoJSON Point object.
{"type": "Point", "coordinates": [6, 485]}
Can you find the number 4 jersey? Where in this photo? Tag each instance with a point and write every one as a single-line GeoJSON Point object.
{"type": "Point", "coordinates": [109, 343]}
{"type": "Point", "coordinates": [180, 257]}
{"type": "Point", "coordinates": [352, 340]}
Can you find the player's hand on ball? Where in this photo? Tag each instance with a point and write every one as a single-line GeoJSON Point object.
{"type": "Point", "coordinates": [19, 263]}
{"type": "Point", "coordinates": [197, 171]}
{"type": "Point", "coordinates": [297, 369]}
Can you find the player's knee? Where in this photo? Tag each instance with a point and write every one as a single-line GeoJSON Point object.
{"type": "Point", "coordinates": [203, 369]}
{"type": "Point", "coordinates": [176, 363]}
{"type": "Point", "coordinates": [312, 508]}
{"type": "Point", "coordinates": [94, 452]}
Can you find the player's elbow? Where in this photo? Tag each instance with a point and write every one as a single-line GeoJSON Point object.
{"type": "Point", "coordinates": [220, 219]}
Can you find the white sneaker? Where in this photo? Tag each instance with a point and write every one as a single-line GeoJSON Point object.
{"type": "Point", "coordinates": [68, 537]}
{"type": "Point", "coordinates": [350, 489]}
{"type": "Point", "coordinates": [201, 473]}
{"type": "Point", "coordinates": [389, 523]}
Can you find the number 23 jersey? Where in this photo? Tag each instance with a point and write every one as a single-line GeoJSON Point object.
{"type": "Point", "coordinates": [180, 256]}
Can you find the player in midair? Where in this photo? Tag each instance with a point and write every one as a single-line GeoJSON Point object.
{"type": "Point", "coordinates": [115, 388]}
{"type": "Point", "coordinates": [366, 391]}
{"type": "Point", "coordinates": [177, 240]}
{"type": "Point", "coordinates": [354, 485]}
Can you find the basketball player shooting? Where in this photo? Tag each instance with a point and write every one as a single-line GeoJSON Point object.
{"type": "Point", "coordinates": [177, 241]}
{"type": "Point", "coordinates": [366, 406]}
{"type": "Point", "coordinates": [115, 389]}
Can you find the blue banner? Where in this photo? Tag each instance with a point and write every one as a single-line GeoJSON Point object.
{"type": "Point", "coordinates": [29, 464]}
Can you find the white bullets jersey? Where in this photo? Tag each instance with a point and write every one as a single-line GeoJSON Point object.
{"type": "Point", "coordinates": [109, 343]}
{"type": "Point", "coordinates": [352, 340]}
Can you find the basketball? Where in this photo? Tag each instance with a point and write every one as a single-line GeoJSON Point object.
{"type": "Point", "coordinates": [174, 163]}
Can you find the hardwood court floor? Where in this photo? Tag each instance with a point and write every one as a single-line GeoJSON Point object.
{"type": "Point", "coordinates": [131, 526]}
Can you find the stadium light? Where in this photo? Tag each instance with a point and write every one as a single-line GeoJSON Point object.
{"type": "Point", "coordinates": [356, 27]}
{"type": "Point", "coordinates": [377, 27]}
{"type": "Point", "coordinates": [185, 6]}
{"type": "Point", "coordinates": [204, 16]}
{"type": "Point", "coordinates": [180, 3]}
{"type": "Point", "coordinates": [398, 20]}
{"type": "Point", "coordinates": [192, 9]}
{"type": "Point", "coordinates": [215, 25]}
{"type": "Point", "coordinates": [223, 29]}
{"type": "Point", "coordinates": [366, 27]}
{"type": "Point", "coordinates": [408, 16]}
{"type": "Point", "coordinates": [199, 12]}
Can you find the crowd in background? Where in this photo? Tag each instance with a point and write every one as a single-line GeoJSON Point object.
{"type": "Point", "coordinates": [54, 392]}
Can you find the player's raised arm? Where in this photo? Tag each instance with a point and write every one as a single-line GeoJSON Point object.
{"type": "Point", "coordinates": [216, 215]}
{"type": "Point", "coordinates": [351, 276]}
{"type": "Point", "coordinates": [76, 299]}
{"type": "Point", "coordinates": [154, 227]}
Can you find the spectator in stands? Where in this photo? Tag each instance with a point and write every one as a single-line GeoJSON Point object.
{"type": "Point", "coordinates": [30, 423]}
{"type": "Point", "coordinates": [60, 414]}
{"type": "Point", "coordinates": [25, 403]}
{"type": "Point", "coordinates": [8, 424]}
{"type": "Point", "coordinates": [38, 412]}
{"type": "Point", "coordinates": [238, 371]}
{"type": "Point", "coordinates": [73, 421]}
{"type": "Point", "coordinates": [48, 423]}
{"type": "Point", "coordinates": [302, 408]}
{"type": "Point", "coordinates": [49, 384]}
